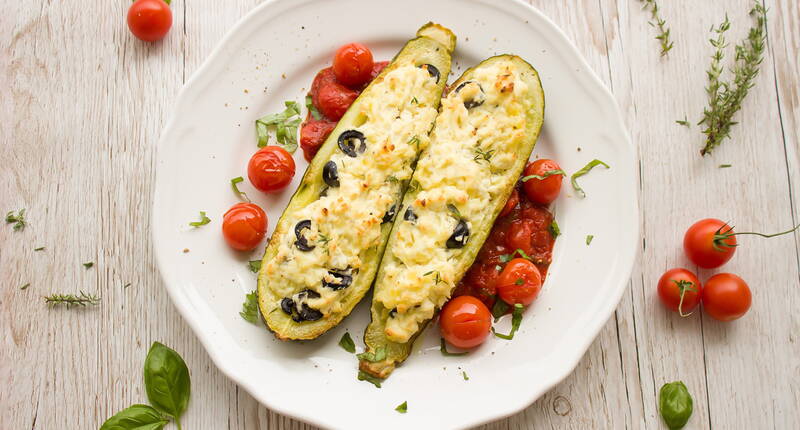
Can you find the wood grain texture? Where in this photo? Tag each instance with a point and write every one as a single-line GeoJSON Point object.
{"type": "Point", "coordinates": [82, 106]}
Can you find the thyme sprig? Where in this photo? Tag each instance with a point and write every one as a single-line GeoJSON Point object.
{"type": "Point", "coordinates": [657, 22]}
{"type": "Point", "coordinates": [481, 155]}
{"type": "Point", "coordinates": [69, 300]}
{"type": "Point", "coordinates": [725, 97]}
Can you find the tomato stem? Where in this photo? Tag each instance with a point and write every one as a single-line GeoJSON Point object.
{"type": "Point", "coordinates": [684, 286]}
{"type": "Point", "coordinates": [719, 242]}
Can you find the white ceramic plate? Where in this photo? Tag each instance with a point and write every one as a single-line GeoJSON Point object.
{"type": "Point", "coordinates": [272, 56]}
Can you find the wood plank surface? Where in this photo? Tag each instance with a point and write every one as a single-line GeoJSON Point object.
{"type": "Point", "coordinates": [82, 104]}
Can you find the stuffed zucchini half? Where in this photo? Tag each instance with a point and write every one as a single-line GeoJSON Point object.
{"type": "Point", "coordinates": [324, 253]}
{"type": "Point", "coordinates": [486, 129]}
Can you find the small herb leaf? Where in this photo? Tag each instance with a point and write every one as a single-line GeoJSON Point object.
{"type": "Point", "coordinates": [499, 309]}
{"type": "Point", "coordinates": [285, 124]}
{"type": "Point", "coordinates": [18, 220]}
{"type": "Point", "coordinates": [554, 229]}
{"type": "Point", "coordinates": [166, 380]}
{"type": "Point", "coordinates": [446, 353]}
{"type": "Point", "coordinates": [249, 310]}
{"type": "Point", "coordinates": [347, 344]}
{"type": "Point", "coordinates": [203, 220]}
{"type": "Point", "coordinates": [254, 265]}
{"type": "Point", "coordinates": [464, 374]}
{"type": "Point", "coordinates": [364, 376]}
{"type": "Point", "coordinates": [547, 174]}
{"type": "Point", "coordinates": [516, 320]}
{"type": "Point", "coordinates": [235, 185]}
{"type": "Point", "coordinates": [378, 355]}
{"type": "Point", "coordinates": [88, 265]}
{"type": "Point", "coordinates": [312, 109]}
{"type": "Point", "coordinates": [583, 171]}
{"type": "Point", "coordinates": [136, 417]}
{"type": "Point", "coordinates": [402, 407]}
{"type": "Point", "coordinates": [589, 239]}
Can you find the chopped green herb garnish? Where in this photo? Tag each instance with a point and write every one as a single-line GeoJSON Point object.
{"type": "Point", "coordinates": [554, 229]}
{"type": "Point", "coordinates": [378, 355]}
{"type": "Point", "coordinates": [69, 300]}
{"type": "Point", "coordinates": [88, 265]}
{"type": "Point", "coordinates": [25, 286]}
{"type": "Point", "coordinates": [546, 175]}
{"type": "Point", "coordinates": [347, 344]}
{"type": "Point", "coordinates": [516, 320]}
{"type": "Point", "coordinates": [481, 155]}
{"type": "Point", "coordinates": [583, 171]}
{"type": "Point", "coordinates": [454, 211]}
{"type": "Point", "coordinates": [519, 281]}
{"type": "Point", "coordinates": [436, 276]}
{"type": "Point", "coordinates": [414, 141]}
{"type": "Point", "coordinates": [126, 285]}
{"type": "Point", "coordinates": [725, 166]}
{"type": "Point", "coordinates": [249, 310]}
{"type": "Point", "coordinates": [285, 124]}
{"type": "Point", "coordinates": [414, 100]}
{"type": "Point", "coordinates": [203, 220]}
{"type": "Point", "coordinates": [684, 122]}
{"type": "Point", "coordinates": [402, 408]}
{"type": "Point", "coordinates": [505, 258]}
{"type": "Point", "coordinates": [254, 265]}
{"type": "Point", "coordinates": [236, 190]}
{"type": "Point", "coordinates": [312, 109]}
{"type": "Point", "coordinates": [18, 219]}
{"type": "Point", "coordinates": [499, 309]}
{"type": "Point", "coordinates": [443, 349]}
{"type": "Point", "coordinates": [464, 374]}
{"type": "Point", "coordinates": [589, 239]}
{"type": "Point", "coordinates": [364, 376]}
{"type": "Point", "coordinates": [41, 248]}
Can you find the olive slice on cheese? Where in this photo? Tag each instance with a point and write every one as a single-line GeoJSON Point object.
{"type": "Point", "coordinates": [432, 70]}
{"type": "Point", "coordinates": [473, 94]}
{"type": "Point", "coordinates": [330, 174]}
{"type": "Point", "coordinates": [341, 279]}
{"type": "Point", "coordinates": [459, 237]}
{"type": "Point", "coordinates": [409, 215]}
{"type": "Point", "coordinates": [389, 215]}
{"type": "Point", "coordinates": [352, 142]}
{"type": "Point", "coordinates": [302, 243]}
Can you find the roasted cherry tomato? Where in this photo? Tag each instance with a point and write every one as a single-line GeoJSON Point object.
{"type": "Point", "coordinates": [520, 235]}
{"type": "Point", "coordinates": [519, 282]}
{"type": "Point", "coordinates": [333, 99]}
{"type": "Point", "coordinates": [511, 203]}
{"type": "Point", "coordinates": [465, 322]}
{"type": "Point", "coordinates": [313, 135]}
{"type": "Point", "coordinates": [709, 243]}
{"type": "Point", "coordinates": [680, 291]}
{"type": "Point", "coordinates": [543, 191]}
{"type": "Point", "coordinates": [726, 297]}
{"type": "Point", "coordinates": [149, 20]}
{"type": "Point", "coordinates": [271, 169]}
{"type": "Point", "coordinates": [353, 64]}
{"type": "Point", "coordinates": [244, 226]}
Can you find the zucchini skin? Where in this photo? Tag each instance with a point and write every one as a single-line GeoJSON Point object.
{"type": "Point", "coordinates": [426, 48]}
{"type": "Point", "coordinates": [374, 336]}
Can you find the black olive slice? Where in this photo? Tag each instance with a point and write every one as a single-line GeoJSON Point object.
{"type": "Point", "coordinates": [460, 236]}
{"type": "Point", "coordinates": [308, 314]}
{"type": "Point", "coordinates": [476, 101]}
{"type": "Point", "coordinates": [389, 215]}
{"type": "Point", "coordinates": [324, 192]}
{"type": "Point", "coordinates": [310, 294]}
{"type": "Point", "coordinates": [432, 70]}
{"type": "Point", "coordinates": [409, 215]}
{"type": "Point", "coordinates": [330, 174]}
{"type": "Point", "coordinates": [287, 305]}
{"type": "Point", "coordinates": [301, 243]}
{"type": "Point", "coordinates": [343, 280]}
{"type": "Point", "coordinates": [352, 143]}
{"type": "Point", "coordinates": [392, 313]}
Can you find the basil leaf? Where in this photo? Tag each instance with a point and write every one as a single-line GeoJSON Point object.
{"type": "Point", "coordinates": [254, 265]}
{"type": "Point", "coordinates": [402, 407]}
{"type": "Point", "coordinates": [589, 239]}
{"type": "Point", "coordinates": [446, 353]}
{"type": "Point", "coordinates": [312, 109]}
{"type": "Point", "coordinates": [546, 174]}
{"type": "Point", "coordinates": [675, 404]}
{"type": "Point", "coordinates": [249, 310]}
{"type": "Point", "coordinates": [583, 171]}
{"type": "Point", "coordinates": [235, 186]}
{"type": "Point", "coordinates": [347, 344]}
{"type": "Point", "coordinates": [554, 229]}
{"type": "Point", "coordinates": [499, 309]}
{"type": "Point", "coordinates": [516, 320]}
{"type": "Point", "coordinates": [203, 220]}
{"type": "Point", "coordinates": [464, 373]}
{"type": "Point", "coordinates": [136, 417]}
{"type": "Point", "coordinates": [88, 265]}
{"type": "Point", "coordinates": [454, 211]}
{"type": "Point", "coordinates": [505, 258]}
{"type": "Point", "coordinates": [166, 380]}
{"type": "Point", "coordinates": [364, 376]}
{"type": "Point", "coordinates": [285, 124]}
{"type": "Point", "coordinates": [378, 355]}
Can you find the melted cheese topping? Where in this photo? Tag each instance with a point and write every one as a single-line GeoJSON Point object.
{"type": "Point", "coordinates": [464, 166]}
{"type": "Point", "coordinates": [395, 119]}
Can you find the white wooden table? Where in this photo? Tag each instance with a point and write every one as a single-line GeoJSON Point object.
{"type": "Point", "coordinates": [82, 104]}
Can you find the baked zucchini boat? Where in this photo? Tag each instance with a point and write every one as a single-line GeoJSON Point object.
{"type": "Point", "coordinates": [324, 253]}
{"type": "Point", "coordinates": [486, 129]}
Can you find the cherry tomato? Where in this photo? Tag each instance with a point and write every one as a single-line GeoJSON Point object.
{"type": "Point", "coordinates": [313, 135]}
{"type": "Point", "coordinates": [149, 20]}
{"type": "Point", "coordinates": [542, 191]}
{"type": "Point", "coordinates": [333, 99]}
{"type": "Point", "coordinates": [726, 297]}
{"type": "Point", "coordinates": [519, 282]}
{"type": "Point", "coordinates": [520, 234]}
{"type": "Point", "coordinates": [708, 244]}
{"type": "Point", "coordinates": [465, 322]}
{"type": "Point", "coordinates": [511, 203]}
{"type": "Point", "coordinates": [271, 169]}
{"type": "Point", "coordinates": [244, 226]}
{"type": "Point", "coordinates": [353, 64]}
{"type": "Point", "coordinates": [680, 290]}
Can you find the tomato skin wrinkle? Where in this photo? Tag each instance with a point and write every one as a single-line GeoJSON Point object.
{"type": "Point", "coordinates": [149, 20]}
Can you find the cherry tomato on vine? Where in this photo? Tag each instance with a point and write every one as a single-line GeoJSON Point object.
{"type": "Point", "coordinates": [465, 322]}
{"type": "Point", "coordinates": [542, 191]}
{"type": "Point", "coordinates": [680, 291]}
{"type": "Point", "coordinates": [511, 203]}
{"type": "Point", "coordinates": [149, 20]}
{"type": "Point", "coordinates": [271, 169]}
{"type": "Point", "coordinates": [709, 243]}
{"type": "Point", "coordinates": [353, 64]}
{"type": "Point", "coordinates": [726, 297]}
{"type": "Point", "coordinates": [519, 282]}
{"type": "Point", "coordinates": [244, 226]}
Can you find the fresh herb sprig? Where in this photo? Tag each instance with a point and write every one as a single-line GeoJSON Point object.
{"type": "Point", "coordinates": [285, 125]}
{"type": "Point", "coordinates": [725, 97]}
{"type": "Point", "coordinates": [70, 300]}
{"type": "Point", "coordinates": [249, 310]}
{"type": "Point", "coordinates": [18, 220]}
{"type": "Point", "coordinates": [658, 22]}
{"type": "Point", "coordinates": [481, 155]}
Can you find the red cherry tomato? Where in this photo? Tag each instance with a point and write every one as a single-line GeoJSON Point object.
{"type": "Point", "coordinates": [313, 135]}
{"type": "Point", "coordinates": [333, 99]}
{"type": "Point", "coordinates": [675, 283]}
{"type": "Point", "coordinates": [244, 226]}
{"type": "Point", "coordinates": [271, 169]}
{"type": "Point", "coordinates": [465, 322]}
{"type": "Point", "coordinates": [149, 20]}
{"type": "Point", "coordinates": [726, 297]}
{"type": "Point", "coordinates": [542, 191]}
{"type": "Point", "coordinates": [707, 243]}
{"type": "Point", "coordinates": [353, 64]}
{"type": "Point", "coordinates": [511, 203]}
{"type": "Point", "coordinates": [519, 282]}
{"type": "Point", "coordinates": [520, 235]}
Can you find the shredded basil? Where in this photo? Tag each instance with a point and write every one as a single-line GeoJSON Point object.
{"type": "Point", "coordinates": [516, 320]}
{"type": "Point", "coordinates": [285, 124]}
{"type": "Point", "coordinates": [505, 258]}
{"type": "Point", "coordinates": [583, 171]}
{"type": "Point", "coordinates": [254, 265]}
{"type": "Point", "coordinates": [378, 355]}
{"type": "Point", "coordinates": [589, 239]}
{"type": "Point", "coordinates": [312, 109]}
{"type": "Point", "coordinates": [546, 174]}
{"type": "Point", "coordinates": [203, 220]}
{"type": "Point", "coordinates": [554, 229]}
{"type": "Point", "coordinates": [402, 408]}
{"type": "Point", "coordinates": [346, 342]}
{"type": "Point", "coordinates": [364, 376]}
{"type": "Point", "coordinates": [88, 265]}
{"type": "Point", "coordinates": [466, 378]}
{"type": "Point", "coordinates": [250, 307]}
{"type": "Point", "coordinates": [446, 353]}
{"type": "Point", "coordinates": [499, 309]}
{"type": "Point", "coordinates": [234, 185]}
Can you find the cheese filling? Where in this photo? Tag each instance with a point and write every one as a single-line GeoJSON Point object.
{"type": "Point", "coordinates": [345, 222]}
{"type": "Point", "coordinates": [475, 140]}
